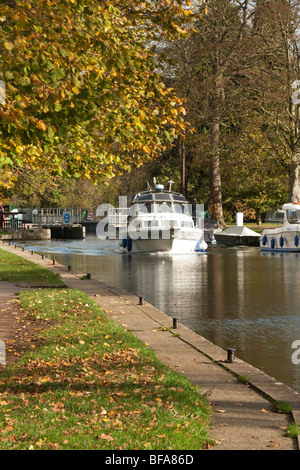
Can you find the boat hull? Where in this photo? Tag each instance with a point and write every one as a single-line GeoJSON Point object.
{"type": "Point", "coordinates": [280, 240]}
{"type": "Point", "coordinates": [174, 243]}
{"type": "Point", "coordinates": [236, 240]}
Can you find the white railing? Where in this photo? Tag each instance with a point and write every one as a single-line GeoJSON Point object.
{"type": "Point", "coordinates": [61, 216]}
{"type": "Point", "coordinates": [118, 217]}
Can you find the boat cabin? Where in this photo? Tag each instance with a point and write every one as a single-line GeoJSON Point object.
{"type": "Point", "coordinates": [159, 201]}
{"type": "Point", "coordinates": [161, 208]}
{"type": "Point", "coordinates": [292, 213]}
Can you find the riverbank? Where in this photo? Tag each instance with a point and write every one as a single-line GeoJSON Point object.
{"type": "Point", "coordinates": [243, 415]}
{"type": "Point", "coordinates": [83, 382]}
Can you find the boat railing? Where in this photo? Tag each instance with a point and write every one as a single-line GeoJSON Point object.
{"type": "Point", "coordinates": [118, 216]}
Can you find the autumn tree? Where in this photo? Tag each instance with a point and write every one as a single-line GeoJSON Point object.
{"type": "Point", "coordinates": [82, 95]}
{"type": "Point", "coordinates": [207, 65]}
{"type": "Point", "coordinates": [276, 85]}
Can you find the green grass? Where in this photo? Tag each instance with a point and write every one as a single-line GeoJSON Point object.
{"type": "Point", "coordinates": [244, 379]}
{"type": "Point", "coordinates": [292, 430]}
{"type": "Point", "coordinates": [15, 269]}
{"type": "Point", "coordinates": [282, 407]}
{"type": "Point", "coordinates": [92, 385]}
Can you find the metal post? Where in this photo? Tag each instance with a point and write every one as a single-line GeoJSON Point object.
{"type": "Point", "coordinates": [230, 355]}
{"type": "Point", "coordinates": [175, 323]}
{"type": "Point", "coordinates": [141, 300]}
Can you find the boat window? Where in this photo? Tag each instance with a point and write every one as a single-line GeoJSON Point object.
{"type": "Point", "coordinates": [181, 209]}
{"type": "Point", "coordinates": [162, 196]}
{"type": "Point", "coordinates": [148, 208]}
{"type": "Point", "coordinates": [165, 207]}
{"type": "Point", "coordinates": [151, 223]}
{"type": "Point", "coordinates": [293, 217]}
{"type": "Point", "coordinates": [168, 223]}
{"type": "Point", "coordinates": [144, 197]}
{"type": "Point", "coordinates": [186, 223]}
{"type": "Point", "coordinates": [178, 197]}
{"type": "Point", "coordinates": [138, 208]}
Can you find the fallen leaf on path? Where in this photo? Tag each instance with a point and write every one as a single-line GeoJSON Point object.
{"type": "Point", "coordinates": [273, 444]}
{"type": "Point", "coordinates": [221, 411]}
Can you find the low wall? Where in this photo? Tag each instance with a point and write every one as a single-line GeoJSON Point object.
{"type": "Point", "coordinates": [67, 232]}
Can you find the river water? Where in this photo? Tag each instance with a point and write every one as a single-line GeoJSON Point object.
{"type": "Point", "coordinates": [235, 297]}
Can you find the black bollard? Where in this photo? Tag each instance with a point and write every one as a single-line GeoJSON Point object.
{"type": "Point", "coordinates": [175, 323]}
{"type": "Point", "coordinates": [230, 355]}
{"type": "Point", "coordinates": [141, 300]}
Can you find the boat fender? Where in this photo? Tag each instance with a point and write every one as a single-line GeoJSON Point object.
{"type": "Point", "coordinates": [273, 243]}
{"type": "Point", "coordinates": [201, 246]}
{"type": "Point", "coordinates": [281, 241]}
{"type": "Point", "coordinates": [296, 240]}
{"type": "Point", "coordinates": [264, 240]}
{"type": "Point", "coordinates": [129, 244]}
{"type": "Point", "coordinates": [124, 242]}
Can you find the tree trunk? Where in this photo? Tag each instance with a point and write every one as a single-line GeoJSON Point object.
{"type": "Point", "coordinates": [182, 153]}
{"type": "Point", "coordinates": [215, 203]}
{"type": "Point", "coordinates": [258, 216]}
{"type": "Point", "coordinates": [215, 200]}
{"type": "Point", "coordinates": [294, 189]}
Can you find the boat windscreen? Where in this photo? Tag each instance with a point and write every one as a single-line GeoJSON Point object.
{"type": "Point", "coordinates": [293, 217]}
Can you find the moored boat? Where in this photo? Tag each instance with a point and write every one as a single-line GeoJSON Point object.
{"type": "Point", "coordinates": [238, 235]}
{"type": "Point", "coordinates": [285, 238]}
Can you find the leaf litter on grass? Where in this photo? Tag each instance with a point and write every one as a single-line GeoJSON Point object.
{"type": "Point", "coordinates": [92, 385]}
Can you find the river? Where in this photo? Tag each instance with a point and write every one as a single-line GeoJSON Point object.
{"type": "Point", "coordinates": [235, 297]}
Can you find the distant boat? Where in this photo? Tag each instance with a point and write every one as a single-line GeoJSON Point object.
{"type": "Point", "coordinates": [238, 235]}
{"type": "Point", "coordinates": [160, 221]}
{"type": "Point", "coordinates": [285, 238]}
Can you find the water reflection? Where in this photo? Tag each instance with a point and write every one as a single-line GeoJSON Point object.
{"type": "Point", "coordinates": [237, 297]}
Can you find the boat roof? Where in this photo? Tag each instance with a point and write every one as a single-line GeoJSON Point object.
{"type": "Point", "coordinates": [291, 206]}
{"type": "Point", "coordinates": [159, 196]}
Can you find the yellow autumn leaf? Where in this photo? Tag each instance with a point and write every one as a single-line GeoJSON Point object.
{"type": "Point", "coordinates": [41, 125]}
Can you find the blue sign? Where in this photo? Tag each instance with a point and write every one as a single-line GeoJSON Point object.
{"type": "Point", "coordinates": [67, 218]}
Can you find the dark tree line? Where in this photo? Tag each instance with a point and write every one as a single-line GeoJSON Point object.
{"type": "Point", "coordinates": [238, 73]}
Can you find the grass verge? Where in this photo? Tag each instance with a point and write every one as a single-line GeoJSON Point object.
{"type": "Point", "coordinates": [91, 385]}
{"type": "Point", "coordinates": [15, 269]}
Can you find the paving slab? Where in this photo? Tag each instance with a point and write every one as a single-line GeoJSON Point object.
{"type": "Point", "coordinates": [243, 416]}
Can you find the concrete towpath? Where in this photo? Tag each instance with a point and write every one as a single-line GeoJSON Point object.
{"type": "Point", "coordinates": [243, 416]}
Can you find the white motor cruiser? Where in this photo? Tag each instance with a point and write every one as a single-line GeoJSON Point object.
{"type": "Point", "coordinates": [161, 221]}
{"type": "Point", "coordinates": [286, 237]}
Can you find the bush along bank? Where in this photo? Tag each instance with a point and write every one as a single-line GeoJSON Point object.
{"type": "Point", "coordinates": [91, 385]}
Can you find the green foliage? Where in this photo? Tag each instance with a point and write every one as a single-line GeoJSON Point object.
{"type": "Point", "coordinates": [83, 95]}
